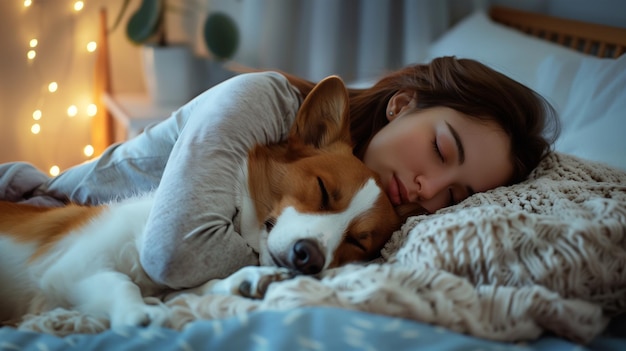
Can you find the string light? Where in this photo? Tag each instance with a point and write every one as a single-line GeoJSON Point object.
{"type": "Point", "coordinates": [92, 46]}
{"type": "Point", "coordinates": [88, 150]}
{"type": "Point", "coordinates": [32, 53]}
{"type": "Point", "coordinates": [92, 110]}
{"type": "Point", "coordinates": [35, 129]}
{"type": "Point", "coordinates": [52, 87]}
{"type": "Point", "coordinates": [72, 111]}
{"type": "Point", "coordinates": [55, 170]}
{"type": "Point", "coordinates": [78, 5]}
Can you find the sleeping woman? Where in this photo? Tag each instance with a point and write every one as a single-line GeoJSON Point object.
{"type": "Point", "coordinates": [434, 133]}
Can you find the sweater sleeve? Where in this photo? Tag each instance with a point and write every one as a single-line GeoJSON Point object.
{"type": "Point", "coordinates": [190, 236]}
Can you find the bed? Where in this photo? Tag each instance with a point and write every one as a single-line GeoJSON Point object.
{"type": "Point", "coordinates": [540, 265]}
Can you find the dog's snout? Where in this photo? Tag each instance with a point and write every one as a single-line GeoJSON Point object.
{"type": "Point", "coordinates": [307, 257]}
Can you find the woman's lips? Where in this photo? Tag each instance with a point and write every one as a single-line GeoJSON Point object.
{"type": "Point", "coordinates": [393, 191]}
{"type": "Point", "coordinates": [404, 198]}
{"type": "Point", "coordinates": [397, 191]}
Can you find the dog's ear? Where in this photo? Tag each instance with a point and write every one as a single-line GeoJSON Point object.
{"type": "Point", "coordinates": [324, 117]}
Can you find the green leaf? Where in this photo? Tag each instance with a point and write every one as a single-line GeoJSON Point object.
{"type": "Point", "coordinates": [144, 23]}
{"type": "Point", "coordinates": [221, 35]}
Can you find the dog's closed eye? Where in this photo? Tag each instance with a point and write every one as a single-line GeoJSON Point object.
{"type": "Point", "coordinates": [325, 198]}
{"type": "Point", "coordinates": [269, 224]}
{"type": "Point", "coordinates": [358, 240]}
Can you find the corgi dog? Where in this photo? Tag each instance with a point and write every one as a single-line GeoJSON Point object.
{"type": "Point", "coordinates": [311, 205]}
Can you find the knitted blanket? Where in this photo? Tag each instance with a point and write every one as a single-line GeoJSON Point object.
{"type": "Point", "coordinates": [548, 254]}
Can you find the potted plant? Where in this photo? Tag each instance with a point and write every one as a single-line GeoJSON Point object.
{"type": "Point", "coordinates": [169, 67]}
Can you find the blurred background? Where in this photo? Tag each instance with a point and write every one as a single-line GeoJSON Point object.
{"type": "Point", "coordinates": [50, 52]}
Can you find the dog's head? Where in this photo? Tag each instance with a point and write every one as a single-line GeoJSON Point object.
{"type": "Point", "coordinates": [327, 207]}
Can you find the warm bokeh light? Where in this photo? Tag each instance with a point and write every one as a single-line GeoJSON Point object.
{"type": "Point", "coordinates": [78, 5]}
{"type": "Point", "coordinates": [52, 87]}
{"type": "Point", "coordinates": [72, 111]}
{"type": "Point", "coordinates": [92, 109]}
{"type": "Point", "coordinates": [55, 170]}
{"type": "Point", "coordinates": [92, 46]}
{"type": "Point", "coordinates": [88, 150]}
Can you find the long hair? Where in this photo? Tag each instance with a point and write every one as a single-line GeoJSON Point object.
{"type": "Point", "coordinates": [467, 86]}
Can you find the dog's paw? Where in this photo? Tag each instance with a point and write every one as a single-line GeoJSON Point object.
{"type": "Point", "coordinates": [140, 316]}
{"type": "Point", "coordinates": [251, 282]}
{"type": "Point", "coordinates": [256, 285]}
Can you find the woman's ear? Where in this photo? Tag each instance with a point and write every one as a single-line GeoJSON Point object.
{"type": "Point", "coordinates": [399, 102]}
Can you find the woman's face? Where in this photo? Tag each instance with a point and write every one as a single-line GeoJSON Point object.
{"type": "Point", "coordinates": [437, 156]}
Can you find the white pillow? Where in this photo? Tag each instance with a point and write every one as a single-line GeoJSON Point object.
{"type": "Point", "coordinates": [504, 49]}
{"type": "Point", "coordinates": [590, 96]}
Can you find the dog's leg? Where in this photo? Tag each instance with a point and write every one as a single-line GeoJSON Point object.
{"type": "Point", "coordinates": [250, 282]}
{"type": "Point", "coordinates": [115, 295]}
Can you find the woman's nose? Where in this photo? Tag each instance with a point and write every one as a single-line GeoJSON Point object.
{"type": "Point", "coordinates": [429, 187]}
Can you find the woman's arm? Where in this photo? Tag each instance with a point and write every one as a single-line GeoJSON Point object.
{"type": "Point", "coordinates": [190, 236]}
{"type": "Point", "coordinates": [193, 157]}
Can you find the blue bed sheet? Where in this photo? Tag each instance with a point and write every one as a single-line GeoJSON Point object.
{"type": "Point", "coordinates": [318, 328]}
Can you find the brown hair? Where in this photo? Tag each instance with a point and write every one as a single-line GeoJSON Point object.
{"type": "Point", "coordinates": [464, 85]}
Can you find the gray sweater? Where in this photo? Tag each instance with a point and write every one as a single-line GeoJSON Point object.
{"type": "Point", "coordinates": [192, 159]}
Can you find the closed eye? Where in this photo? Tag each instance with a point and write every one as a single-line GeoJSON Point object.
{"type": "Point", "coordinates": [354, 242]}
{"type": "Point", "coordinates": [325, 197]}
{"type": "Point", "coordinates": [437, 150]}
{"type": "Point", "coordinates": [269, 224]}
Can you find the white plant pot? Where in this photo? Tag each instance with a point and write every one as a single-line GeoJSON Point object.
{"type": "Point", "coordinates": [170, 74]}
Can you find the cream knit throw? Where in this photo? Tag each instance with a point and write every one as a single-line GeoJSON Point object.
{"type": "Point", "coordinates": [508, 264]}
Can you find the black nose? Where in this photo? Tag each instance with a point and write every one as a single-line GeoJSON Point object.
{"type": "Point", "coordinates": [306, 257]}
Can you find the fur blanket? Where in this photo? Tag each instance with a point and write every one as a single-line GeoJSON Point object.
{"type": "Point", "coordinates": [548, 254]}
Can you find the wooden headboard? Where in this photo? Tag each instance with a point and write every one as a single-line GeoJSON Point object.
{"type": "Point", "coordinates": [589, 38]}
